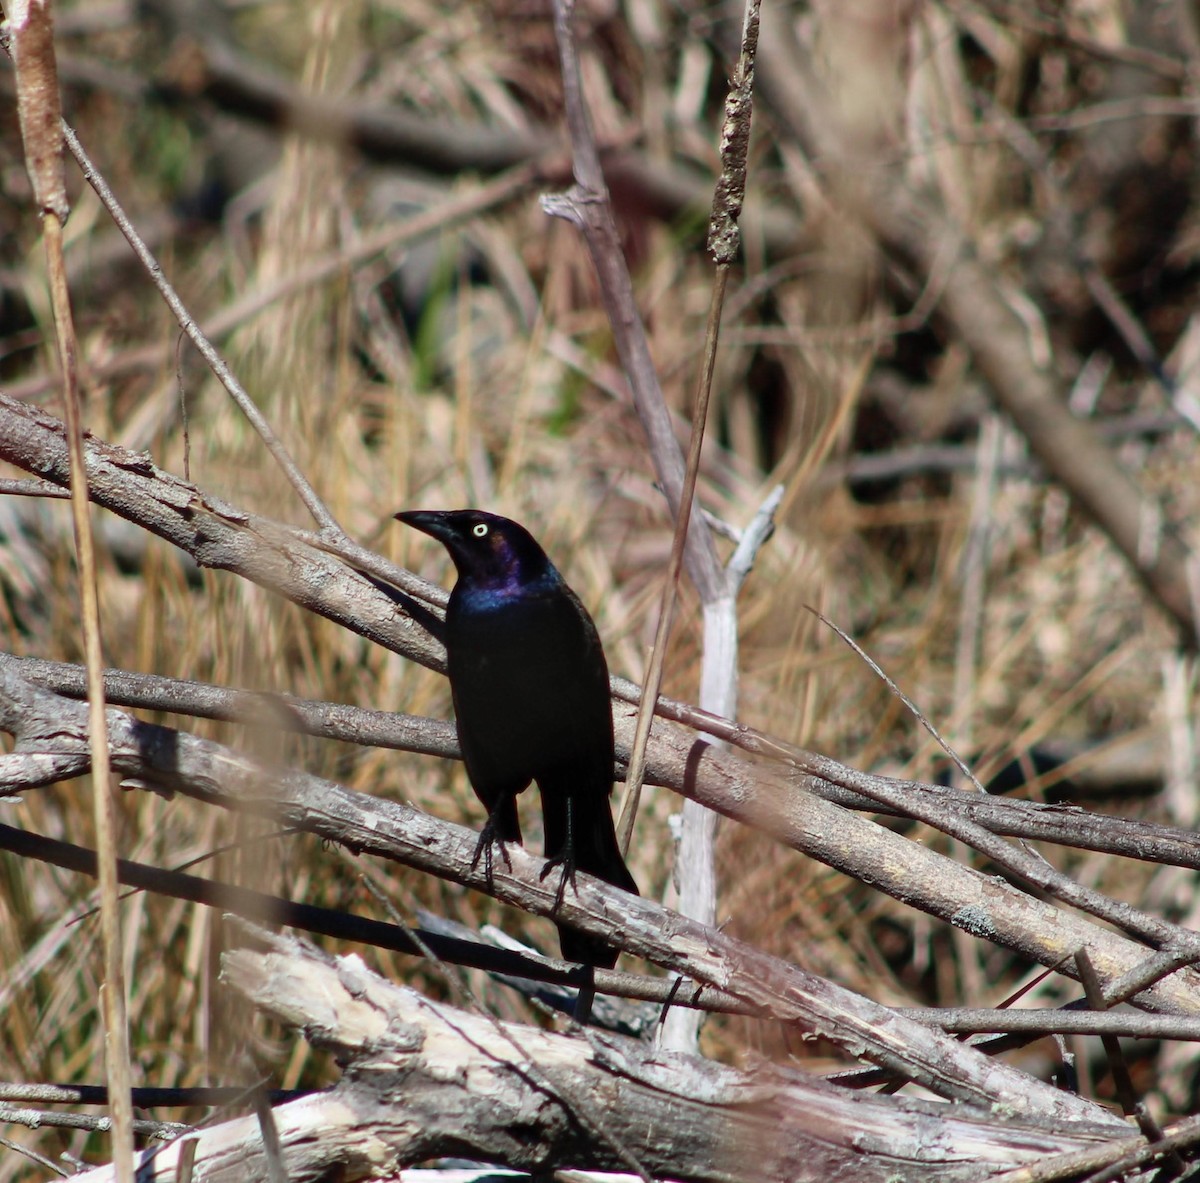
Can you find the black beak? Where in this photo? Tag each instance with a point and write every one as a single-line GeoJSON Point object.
{"type": "Point", "coordinates": [429, 521]}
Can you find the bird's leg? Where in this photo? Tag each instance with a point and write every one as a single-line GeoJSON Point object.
{"type": "Point", "coordinates": [488, 837]}
{"type": "Point", "coordinates": [565, 858]}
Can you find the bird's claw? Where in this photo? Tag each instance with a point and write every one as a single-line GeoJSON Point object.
{"type": "Point", "coordinates": [566, 860]}
{"type": "Point", "coordinates": [483, 849]}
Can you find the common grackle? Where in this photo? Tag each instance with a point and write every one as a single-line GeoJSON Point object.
{"type": "Point", "coordinates": [531, 700]}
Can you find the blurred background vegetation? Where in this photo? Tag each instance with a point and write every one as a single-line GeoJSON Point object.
{"type": "Point", "coordinates": [250, 140]}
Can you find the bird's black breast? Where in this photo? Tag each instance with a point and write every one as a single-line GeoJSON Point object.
{"type": "Point", "coordinates": [530, 687]}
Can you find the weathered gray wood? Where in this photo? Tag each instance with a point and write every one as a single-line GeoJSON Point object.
{"type": "Point", "coordinates": [423, 1079]}
{"type": "Point", "coordinates": [213, 532]}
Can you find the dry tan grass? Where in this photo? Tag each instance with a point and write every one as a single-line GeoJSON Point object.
{"type": "Point", "coordinates": [478, 406]}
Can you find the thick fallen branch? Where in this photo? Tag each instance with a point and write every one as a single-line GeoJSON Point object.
{"type": "Point", "coordinates": [423, 1079]}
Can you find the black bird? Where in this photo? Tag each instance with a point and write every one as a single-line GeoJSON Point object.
{"type": "Point", "coordinates": [531, 700]}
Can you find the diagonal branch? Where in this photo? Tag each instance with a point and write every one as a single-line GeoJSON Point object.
{"type": "Point", "coordinates": [1010, 816]}
{"type": "Point", "coordinates": [205, 347]}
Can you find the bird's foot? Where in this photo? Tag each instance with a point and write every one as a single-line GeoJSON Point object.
{"type": "Point", "coordinates": [565, 859]}
{"type": "Point", "coordinates": [483, 849]}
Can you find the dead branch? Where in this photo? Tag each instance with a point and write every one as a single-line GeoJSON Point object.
{"type": "Point", "coordinates": [423, 1079]}
{"type": "Point", "coordinates": [1064, 825]}
{"type": "Point", "coordinates": [214, 533]}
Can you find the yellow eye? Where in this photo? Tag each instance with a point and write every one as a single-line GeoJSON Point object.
{"type": "Point", "coordinates": [479, 530]}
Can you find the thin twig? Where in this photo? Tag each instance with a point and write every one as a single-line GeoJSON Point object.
{"type": "Point", "coordinates": [209, 1096]}
{"type": "Point", "coordinates": [33, 1156]}
{"type": "Point", "coordinates": [666, 611]}
{"type": "Point", "coordinates": [754, 536]}
{"type": "Point", "coordinates": [914, 710]}
{"type": "Point", "coordinates": [18, 487]}
{"type": "Point", "coordinates": [587, 207]}
{"type": "Point", "coordinates": [269, 1131]}
{"type": "Point", "coordinates": [1056, 1021]}
{"type": "Point", "coordinates": [35, 1118]}
{"type": "Point", "coordinates": [196, 335]}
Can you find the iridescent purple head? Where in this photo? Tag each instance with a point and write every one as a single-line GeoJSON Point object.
{"type": "Point", "coordinates": [488, 551]}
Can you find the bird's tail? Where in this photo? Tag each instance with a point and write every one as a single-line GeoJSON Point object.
{"type": "Point", "coordinates": [583, 839]}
